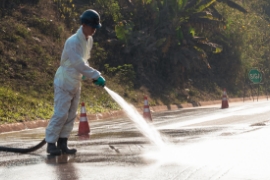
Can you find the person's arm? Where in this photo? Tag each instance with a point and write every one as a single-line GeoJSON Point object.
{"type": "Point", "coordinates": [74, 52]}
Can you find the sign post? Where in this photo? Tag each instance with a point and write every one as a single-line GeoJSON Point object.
{"type": "Point", "coordinates": [255, 76]}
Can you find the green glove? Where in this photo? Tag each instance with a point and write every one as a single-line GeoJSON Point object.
{"type": "Point", "coordinates": [100, 81]}
{"type": "Point", "coordinates": [83, 77]}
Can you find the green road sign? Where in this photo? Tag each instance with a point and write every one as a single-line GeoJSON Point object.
{"type": "Point", "coordinates": [255, 76]}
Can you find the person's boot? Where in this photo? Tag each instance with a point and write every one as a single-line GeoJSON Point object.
{"type": "Point", "coordinates": [53, 150]}
{"type": "Point", "coordinates": [62, 145]}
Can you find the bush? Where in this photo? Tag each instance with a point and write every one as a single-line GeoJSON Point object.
{"type": "Point", "coordinates": [46, 27]}
{"type": "Point", "coordinates": [21, 30]}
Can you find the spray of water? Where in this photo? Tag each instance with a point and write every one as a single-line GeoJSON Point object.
{"type": "Point", "coordinates": [166, 153]}
{"type": "Point", "coordinates": [146, 129]}
{"type": "Point", "coordinates": [213, 152]}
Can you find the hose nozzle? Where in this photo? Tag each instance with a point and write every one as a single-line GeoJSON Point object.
{"type": "Point", "coordinates": [94, 81]}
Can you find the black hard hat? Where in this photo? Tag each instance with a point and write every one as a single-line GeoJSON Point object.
{"type": "Point", "coordinates": [91, 18]}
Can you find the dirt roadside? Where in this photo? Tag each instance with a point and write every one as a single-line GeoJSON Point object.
{"type": "Point", "coordinates": [117, 114]}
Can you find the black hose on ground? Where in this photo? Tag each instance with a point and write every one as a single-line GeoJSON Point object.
{"type": "Point", "coordinates": [23, 150]}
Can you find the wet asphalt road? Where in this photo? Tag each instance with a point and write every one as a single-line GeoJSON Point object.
{"type": "Point", "coordinates": [206, 143]}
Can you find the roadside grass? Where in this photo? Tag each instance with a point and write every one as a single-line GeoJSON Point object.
{"type": "Point", "coordinates": [19, 107]}
{"type": "Point", "coordinates": [28, 104]}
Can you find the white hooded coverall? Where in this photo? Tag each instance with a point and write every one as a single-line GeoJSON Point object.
{"type": "Point", "coordinates": [67, 85]}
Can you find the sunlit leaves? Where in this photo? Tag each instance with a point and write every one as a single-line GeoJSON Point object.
{"type": "Point", "coordinates": [192, 31]}
{"type": "Point", "coordinates": [181, 4]}
{"type": "Point", "coordinates": [123, 30]}
{"type": "Point", "coordinates": [206, 5]}
{"type": "Point", "coordinates": [111, 8]}
{"type": "Point", "coordinates": [66, 9]}
{"type": "Point", "coordinates": [147, 1]}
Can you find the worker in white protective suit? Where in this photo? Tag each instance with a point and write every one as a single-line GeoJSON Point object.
{"type": "Point", "coordinates": [67, 83]}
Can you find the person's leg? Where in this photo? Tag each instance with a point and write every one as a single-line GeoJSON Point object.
{"type": "Point", "coordinates": [72, 114]}
{"type": "Point", "coordinates": [68, 126]}
{"type": "Point", "coordinates": [62, 104]}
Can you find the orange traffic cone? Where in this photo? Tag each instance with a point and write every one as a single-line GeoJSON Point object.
{"type": "Point", "coordinates": [146, 110]}
{"type": "Point", "coordinates": [224, 103]}
{"type": "Point", "coordinates": [84, 129]}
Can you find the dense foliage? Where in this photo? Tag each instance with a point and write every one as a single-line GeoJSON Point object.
{"type": "Point", "coordinates": [171, 50]}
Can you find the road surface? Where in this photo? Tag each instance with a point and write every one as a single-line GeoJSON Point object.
{"type": "Point", "coordinates": [205, 143]}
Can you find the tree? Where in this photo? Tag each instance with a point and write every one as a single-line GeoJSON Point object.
{"type": "Point", "coordinates": [167, 38]}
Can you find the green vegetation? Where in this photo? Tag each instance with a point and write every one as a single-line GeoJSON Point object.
{"type": "Point", "coordinates": [19, 106]}
{"type": "Point", "coordinates": [174, 51]}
